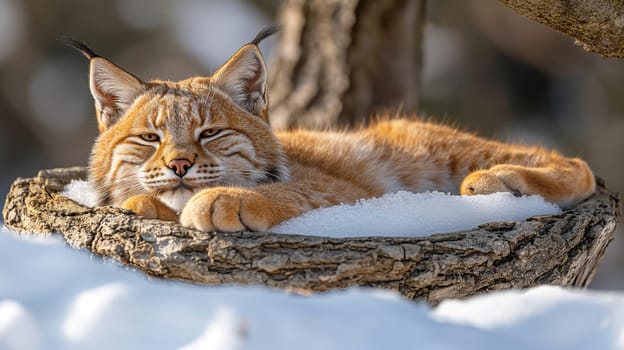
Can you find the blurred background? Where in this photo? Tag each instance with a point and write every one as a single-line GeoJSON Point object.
{"type": "Point", "coordinates": [486, 69]}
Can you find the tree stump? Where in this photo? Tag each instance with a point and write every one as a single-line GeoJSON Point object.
{"type": "Point", "coordinates": [563, 249]}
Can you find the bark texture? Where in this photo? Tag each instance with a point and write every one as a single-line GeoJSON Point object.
{"type": "Point", "coordinates": [341, 61]}
{"type": "Point", "coordinates": [597, 25]}
{"type": "Point", "coordinates": [564, 249]}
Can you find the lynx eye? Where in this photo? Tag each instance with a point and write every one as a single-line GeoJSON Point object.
{"type": "Point", "coordinates": [209, 133]}
{"type": "Point", "coordinates": [149, 137]}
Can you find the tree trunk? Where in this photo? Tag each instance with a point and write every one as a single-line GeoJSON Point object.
{"type": "Point", "coordinates": [597, 25]}
{"type": "Point", "coordinates": [341, 61]}
{"type": "Point", "coordinates": [564, 249]}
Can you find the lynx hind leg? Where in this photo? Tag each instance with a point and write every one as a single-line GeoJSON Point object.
{"type": "Point", "coordinates": [149, 207]}
{"type": "Point", "coordinates": [566, 183]}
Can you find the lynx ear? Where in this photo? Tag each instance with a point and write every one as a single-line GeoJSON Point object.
{"type": "Point", "coordinates": [113, 88]}
{"type": "Point", "coordinates": [243, 78]}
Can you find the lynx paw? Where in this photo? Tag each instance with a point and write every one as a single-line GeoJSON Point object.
{"type": "Point", "coordinates": [149, 207]}
{"type": "Point", "coordinates": [487, 182]}
{"type": "Point", "coordinates": [229, 210]}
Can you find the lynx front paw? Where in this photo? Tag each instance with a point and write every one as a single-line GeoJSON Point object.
{"type": "Point", "coordinates": [487, 182]}
{"type": "Point", "coordinates": [231, 209]}
{"type": "Point", "coordinates": [149, 207]}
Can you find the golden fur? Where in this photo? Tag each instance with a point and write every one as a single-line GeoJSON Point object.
{"type": "Point", "coordinates": [201, 151]}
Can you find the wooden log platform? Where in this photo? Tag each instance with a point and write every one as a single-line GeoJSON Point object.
{"type": "Point", "coordinates": [563, 249]}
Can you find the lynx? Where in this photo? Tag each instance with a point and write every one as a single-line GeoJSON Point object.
{"type": "Point", "coordinates": [201, 152]}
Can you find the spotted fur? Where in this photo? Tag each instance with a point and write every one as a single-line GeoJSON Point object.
{"type": "Point", "coordinates": [201, 151]}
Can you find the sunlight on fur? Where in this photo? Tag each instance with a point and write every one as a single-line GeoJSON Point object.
{"type": "Point", "coordinates": [201, 152]}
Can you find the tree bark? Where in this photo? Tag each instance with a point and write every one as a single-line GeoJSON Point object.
{"type": "Point", "coordinates": [564, 249]}
{"type": "Point", "coordinates": [597, 25]}
{"type": "Point", "coordinates": [340, 62]}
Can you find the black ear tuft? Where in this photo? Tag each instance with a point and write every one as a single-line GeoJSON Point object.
{"type": "Point", "coordinates": [264, 33]}
{"type": "Point", "coordinates": [112, 88]}
{"type": "Point", "coordinates": [78, 45]}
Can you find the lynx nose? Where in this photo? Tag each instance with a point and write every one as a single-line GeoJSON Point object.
{"type": "Point", "coordinates": [180, 166]}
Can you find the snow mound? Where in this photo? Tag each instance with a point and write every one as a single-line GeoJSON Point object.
{"type": "Point", "coordinates": [415, 214]}
{"type": "Point", "coordinates": [395, 214]}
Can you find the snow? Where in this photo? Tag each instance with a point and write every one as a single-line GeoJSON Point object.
{"type": "Point", "coordinates": [80, 191]}
{"type": "Point", "coordinates": [17, 327]}
{"type": "Point", "coordinates": [555, 318]}
{"type": "Point", "coordinates": [54, 297]}
{"type": "Point", "coordinates": [416, 214]}
{"type": "Point", "coordinates": [395, 214]}
{"type": "Point", "coordinates": [91, 307]}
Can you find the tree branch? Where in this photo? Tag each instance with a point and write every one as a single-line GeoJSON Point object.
{"type": "Point", "coordinates": [597, 25]}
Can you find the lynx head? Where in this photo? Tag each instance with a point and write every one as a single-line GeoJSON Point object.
{"type": "Point", "coordinates": [171, 139]}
